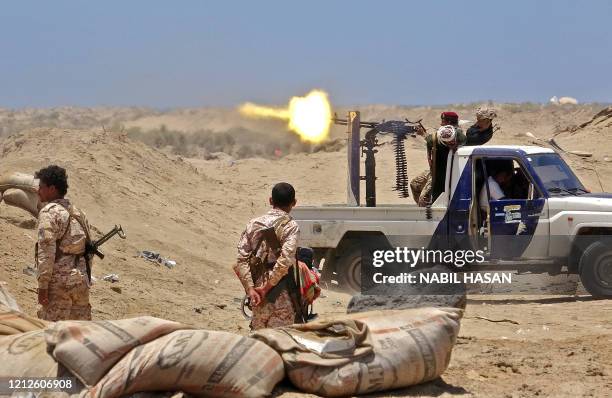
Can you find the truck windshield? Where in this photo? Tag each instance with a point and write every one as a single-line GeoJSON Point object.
{"type": "Point", "coordinates": [556, 175]}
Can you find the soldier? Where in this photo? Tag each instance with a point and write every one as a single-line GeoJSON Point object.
{"type": "Point", "coordinates": [63, 230]}
{"type": "Point", "coordinates": [425, 189]}
{"type": "Point", "coordinates": [481, 132]}
{"type": "Point", "coordinates": [268, 290]}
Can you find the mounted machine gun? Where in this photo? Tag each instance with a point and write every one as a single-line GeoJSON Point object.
{"type": "Point", "coordinates": [400, 131]}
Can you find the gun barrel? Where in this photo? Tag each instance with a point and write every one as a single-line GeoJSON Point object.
{"type": "Point", "coordinates": [115, 231]}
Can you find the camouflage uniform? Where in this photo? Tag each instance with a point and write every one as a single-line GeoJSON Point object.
{"type": "Point", "coordinates": [61, 267]}
{"type": "Point", "coordinates": [281, 311]}
{"type": "Point", "coordinates": [421, 188]}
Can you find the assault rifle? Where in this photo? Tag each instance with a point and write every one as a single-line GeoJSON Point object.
{"type": "Point", "coordinates": [91, 248]}
{"type": "Point", "coordinates": [289, 281]}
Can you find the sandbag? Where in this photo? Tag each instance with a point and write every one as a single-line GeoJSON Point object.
{"type": "Point", "coordinates": [12, 320]}
{"type": "Point", "coordinates": [21, 181]}
{"type": "Point", "coordinates": [408, 347]}
{"type": "Point", "coordinates": [15, 322]}
{"type": "Point", "coordinates": [6, 299]}
{"type": "Point", "coordinates": [25, 200]}
{"type": "Point", "coordinates": [90, 349]}
{"type": "Point", "coordinates": [25, 354]}
{"type": "Point", "coordinates": [197, 362]}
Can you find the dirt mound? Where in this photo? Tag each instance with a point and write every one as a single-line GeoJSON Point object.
{"type": "Point", "coordinates": [164, 204]}
{"type": "Point", "coordinates": [587, 148]}
{"type": "Point", "coordinates": [602, 119]}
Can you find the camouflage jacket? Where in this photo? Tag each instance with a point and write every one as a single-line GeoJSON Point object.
{"type": "Point", "coordinates": [61, 241]}
{"type": "Point", "coordinates": [288, 236]}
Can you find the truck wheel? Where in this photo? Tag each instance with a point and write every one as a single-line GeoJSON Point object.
{"type": "Point", "coordinates": [348, 269]}
{"type": "Point", "coordinates": [596, 269]}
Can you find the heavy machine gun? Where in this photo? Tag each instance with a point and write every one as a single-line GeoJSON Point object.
{"type": "Point", "coordinates": [400, 130]}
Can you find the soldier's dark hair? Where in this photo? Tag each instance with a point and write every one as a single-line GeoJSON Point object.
{"type": "Point", "coordinates": [54, 176]}
{"type": "Point", "coordinates": [283, 194]}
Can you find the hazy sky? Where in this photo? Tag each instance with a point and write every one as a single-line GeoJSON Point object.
{"type": "Point", "coordinates": [201, 53]}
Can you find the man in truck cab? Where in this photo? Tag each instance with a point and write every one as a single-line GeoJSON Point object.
{"type": "Point", "coordinates": [501, 173]}
{"type": "Point", "coordinates": [427, 186]}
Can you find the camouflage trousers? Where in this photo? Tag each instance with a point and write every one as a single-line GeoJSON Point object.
{"type": "Point", "coordinates": [68, 299]}
{"type": "Point", "coordinates": [421, 188]}
{"type": "Point", "coordinates": [276, 314]}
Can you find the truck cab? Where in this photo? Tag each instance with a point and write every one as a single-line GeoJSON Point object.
{"type": "Point", "coordinates": [545, 216]}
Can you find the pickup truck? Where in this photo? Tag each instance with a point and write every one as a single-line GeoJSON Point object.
{"type": "Point", "coordinates": [563, 227]}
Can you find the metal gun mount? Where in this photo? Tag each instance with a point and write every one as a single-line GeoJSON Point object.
{"type": "Point", "coordinates": [400, 131]}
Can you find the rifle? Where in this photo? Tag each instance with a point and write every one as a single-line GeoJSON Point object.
{"type": "Point", "coordinates": [269, 235]}
{"type": "Point", "coordinates": [91, 248]}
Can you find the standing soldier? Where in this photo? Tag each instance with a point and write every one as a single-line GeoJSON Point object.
{"type": "Point", "coordinates": [264, 270]}
{"type": "Point", "coordinates": [63, 230]}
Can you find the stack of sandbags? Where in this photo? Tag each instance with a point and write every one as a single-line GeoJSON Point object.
{"type": "Point", "coordinates": [23, 349]}
{"type": "Point", "coordinates": [367, 352]}
{"type": "Point", "coordinates": [116, 358]}
{"type": "Point", "coordinates": [12, 320]}
{"type": "Point", "coordinates": [20, 190]}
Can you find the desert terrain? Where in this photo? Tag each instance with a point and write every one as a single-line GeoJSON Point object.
{"type": "Point", "coordinates": [191, 204]}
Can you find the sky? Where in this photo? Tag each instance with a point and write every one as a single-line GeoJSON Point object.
{"type": "Point", "coordinates": [167, 54]}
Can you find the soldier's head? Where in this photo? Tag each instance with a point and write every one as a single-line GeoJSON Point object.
{"type": "Point", "coordinates": [53, 183]}
{"type": "Point", "coordinates": [283, 197]}
{"type": "Point", "coordinates": [449, 119]}
{"type": "Point", "coordinates": [484, 117]}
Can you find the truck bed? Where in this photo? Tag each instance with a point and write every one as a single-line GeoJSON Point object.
{"type": "Point", "coordinates": [325, 226]}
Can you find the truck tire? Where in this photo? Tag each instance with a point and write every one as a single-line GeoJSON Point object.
{"type": "Point", "coordinates": [596, 269]}
{"type": "Point", "coordinates": [348, 270]}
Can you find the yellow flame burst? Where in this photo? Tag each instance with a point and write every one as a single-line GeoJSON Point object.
{"type": "Point", "coordinates": [309, 116]}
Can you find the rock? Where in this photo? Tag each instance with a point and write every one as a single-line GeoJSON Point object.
{"type": "Point", "coordinates": [568, 100]}
{"type": "Point", "coordinates": [116, 289]}
{"type": "Point", "coordinates": [581, 153]}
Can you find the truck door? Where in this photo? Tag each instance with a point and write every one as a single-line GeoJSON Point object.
{"type": "Point", "coordinates": [513, 210]}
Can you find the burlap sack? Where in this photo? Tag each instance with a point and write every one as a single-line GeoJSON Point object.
{"type": "Point", "coordinates": [408, 347]}
{"type": "Point", "coordinates": [25, 200]}
{"type": "Point", "coordinates": [6, 299]}
{"type": "Point", "coordinates": [23, 181]}
{"type": "Point", "coordinates": [90, 349]}
{"type": "Point", "coordinates": [25, 354]}
{"type": "Point", "coordinates": [15, 322]}
{"type": "Point", "coordinates": [197, 362]}
{"type": "Point", "coordinates": [12, 320]}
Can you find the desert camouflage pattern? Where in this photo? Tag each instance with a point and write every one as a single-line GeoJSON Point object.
{"type": "Point", "coordinates": [288, 237]}
{"type": "Point", "coordinates": [421, 188]}
{"type": "Point", "coordinates": [281, 311]}
{"type": "Point", "coordinates": [486, 113]}
{"type": "Point", "coordinates": [273, 315]}
{"type": "Point", "coordinates": [61, 266]}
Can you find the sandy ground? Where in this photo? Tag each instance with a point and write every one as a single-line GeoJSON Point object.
{"type": "Point", "coordinates": [193, 211]}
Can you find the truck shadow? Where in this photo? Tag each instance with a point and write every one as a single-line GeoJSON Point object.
{"type": "Point", "coordinates": [547, 300]}
{"type": "Point", "coordinates": [434, 388]}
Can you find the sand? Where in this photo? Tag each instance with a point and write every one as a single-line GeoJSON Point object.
{"type": "Point", "coordinates": [193, 211]}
